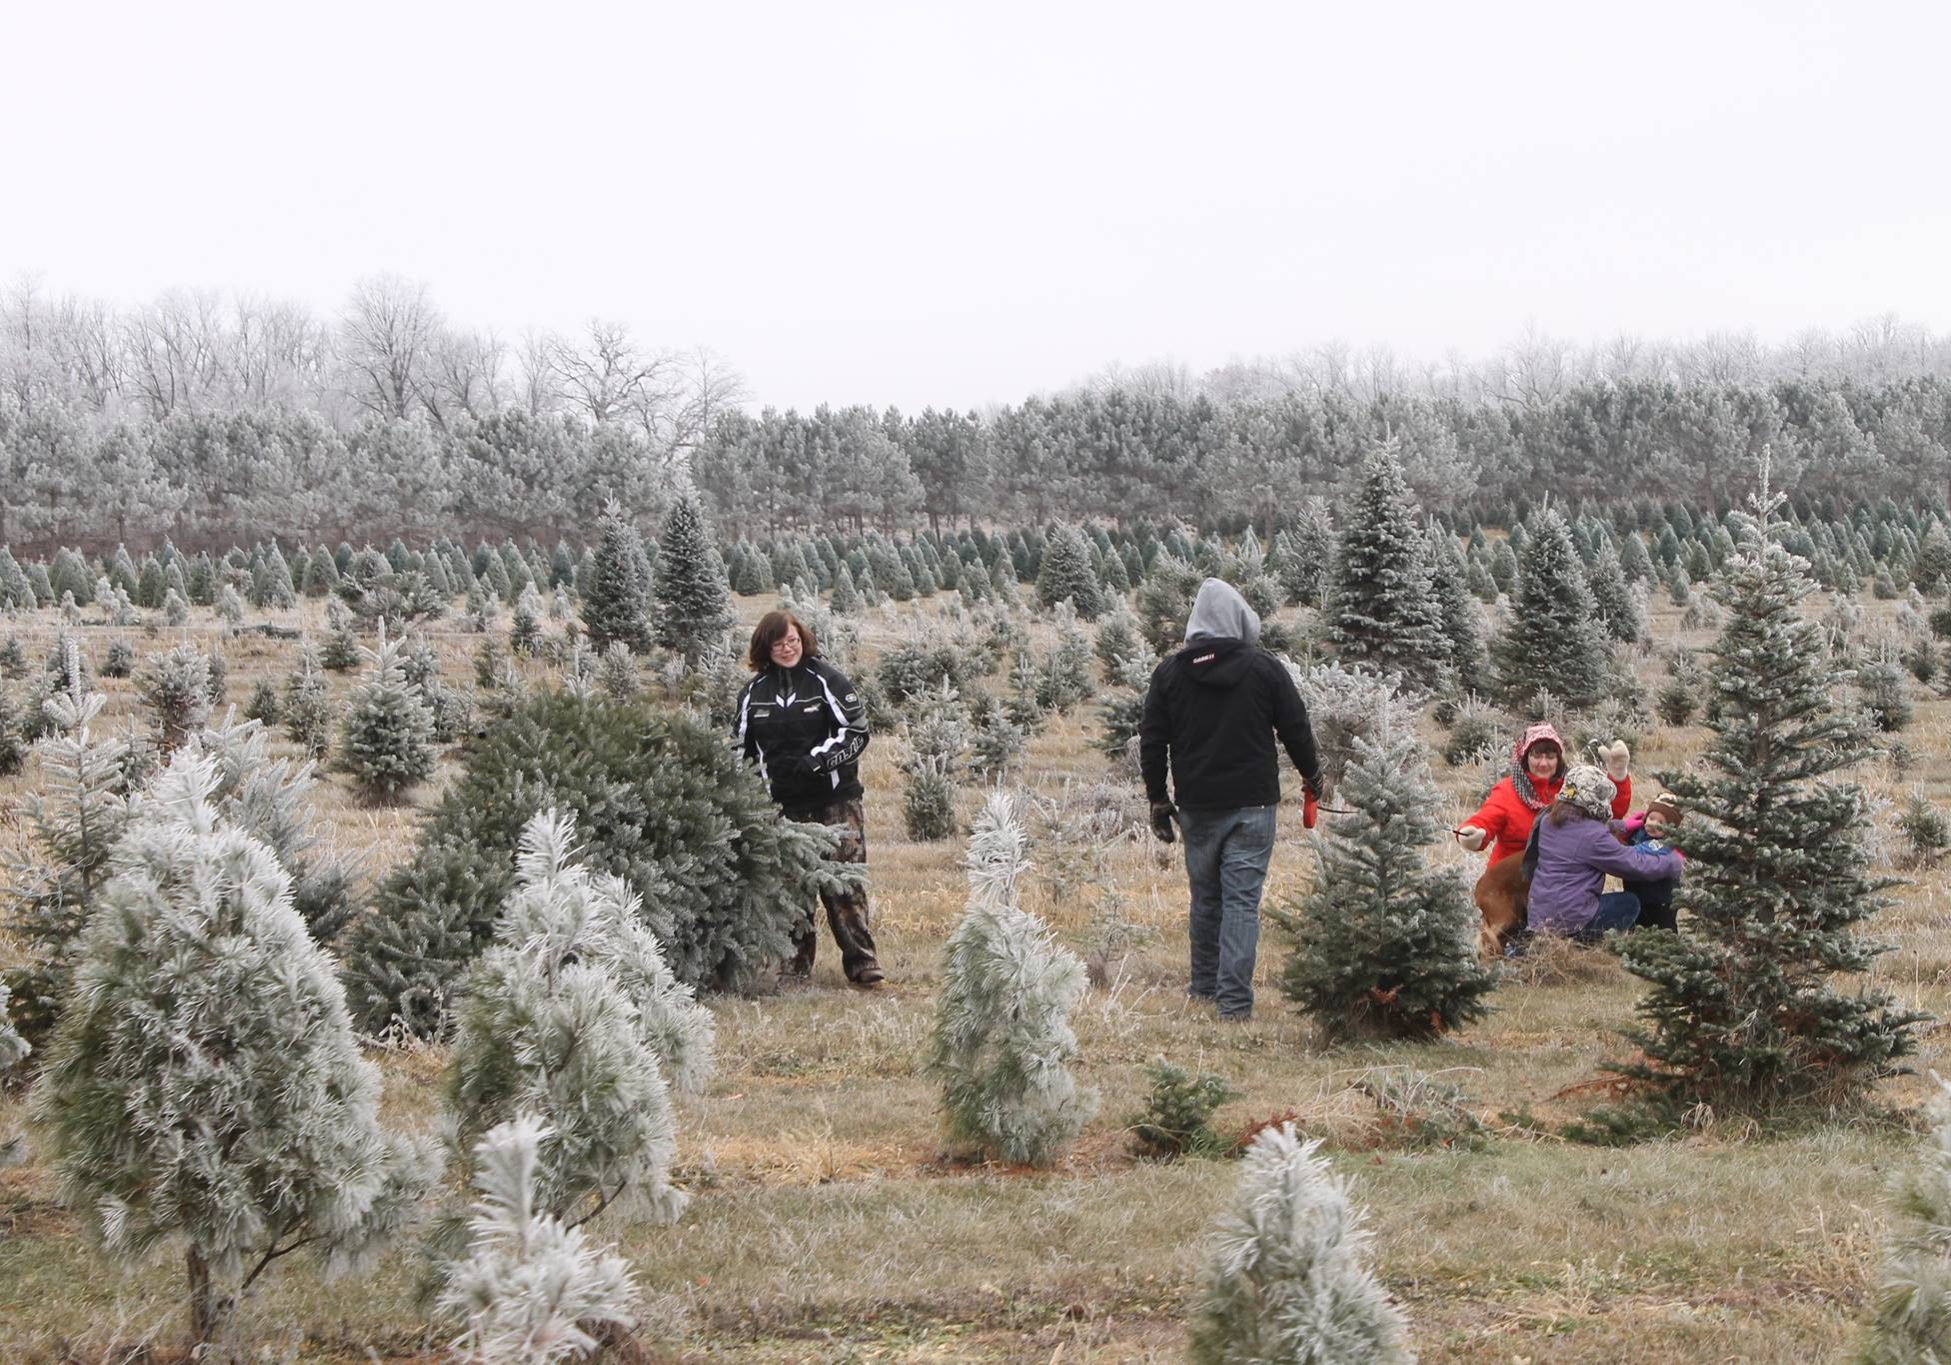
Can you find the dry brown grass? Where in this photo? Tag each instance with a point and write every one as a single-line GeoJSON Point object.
{"type": "Point", "coordinates": [828, 1224]}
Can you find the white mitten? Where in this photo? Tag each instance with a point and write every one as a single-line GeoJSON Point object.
{"type": "Point", "coordinates": [1618, 759]}
{"type": "Point", "coordinates": [1473, 838]}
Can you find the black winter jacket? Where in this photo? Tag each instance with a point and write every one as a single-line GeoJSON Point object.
{"type": "Point", "coordinates": [805, 727]}
{"type": "Point", "coordinates": [1215, 707]}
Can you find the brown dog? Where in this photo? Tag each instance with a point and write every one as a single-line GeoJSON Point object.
{"type": "Point", "coordinates": [1502, 895]}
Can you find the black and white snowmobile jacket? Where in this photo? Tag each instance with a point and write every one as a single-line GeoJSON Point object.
{"type": "Point", "coordinates": [804, 727]}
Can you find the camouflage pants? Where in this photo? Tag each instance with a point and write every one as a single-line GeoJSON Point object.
{"type": "Point", "coordinates": [846, 913]}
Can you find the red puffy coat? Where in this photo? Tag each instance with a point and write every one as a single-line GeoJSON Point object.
{"type": "Point", "coordinates": [1508, 821]}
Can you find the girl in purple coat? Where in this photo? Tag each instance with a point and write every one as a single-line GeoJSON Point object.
{"type": "Point", "coordinates": [1576, 849]}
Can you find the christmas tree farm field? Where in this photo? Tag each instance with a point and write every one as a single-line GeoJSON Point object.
{"type": "Point", "coordinates": [828, 1219]}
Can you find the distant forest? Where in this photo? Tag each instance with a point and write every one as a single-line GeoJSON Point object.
{"type": "Point", "coordinates": [212, 422]}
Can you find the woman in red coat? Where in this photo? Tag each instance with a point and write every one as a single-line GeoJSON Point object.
{"type": "Point", "coordinates": [1537, 772]}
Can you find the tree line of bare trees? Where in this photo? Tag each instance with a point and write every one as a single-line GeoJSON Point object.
{"type": "Point", "coordinates": [213, 421]}
{"type": "Point", "coordinates": [389, 354]}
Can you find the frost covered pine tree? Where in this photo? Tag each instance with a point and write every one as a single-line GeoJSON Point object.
{"type": "Point", "coordinates": [694, 605]}
{"type": "Point", "coordinates": [616, 593]}
{"type": "Point", "coordinates": [530, 1288]}
{"type": "Point", "coordinates": [76, 819]}
{"type": "Point", "coordinates": [572, 1015]}
{"type": "Point", "coordinates": [1284, 1278]}
{"type": "Point", "coordinates": [1911, 1320]}
{"type": "Point", "coordinates": [1387, 944]}
{"type": "Point", "coordinates": [1002, 1044]}
{"type": "Point", "coordinates": [1382, 610]}
{"type": "Point", "coordinates": [204, 1083]}
{"type": "Point", "coordinates": [1613, 595]}
{"type": "Point", "coordinates": [387, 739]}
{"type": "Point", "coordinates": [176, 687]}
{"type": "Point", "coordinates": [13, 1051]}
{"type": "Point", "coordinates": [1462, 627]}
{"type": "Point", "coordinates": [1555, 640]}
{"type": "Point", "coordinates": [1740, 1012]}
{"type": "Point", "coordinates": [1066, 572]}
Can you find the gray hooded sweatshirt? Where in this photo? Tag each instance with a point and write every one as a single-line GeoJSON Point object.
{"type": "Point", "coordinates": [1220, 613]}
{"type": "Point", "coordinates": [1215, 708]}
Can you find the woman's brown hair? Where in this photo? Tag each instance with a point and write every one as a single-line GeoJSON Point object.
{"type": "Point", "coordinates": [1563, 810]}
{"type": "Point", "coordinates": [770, 631]}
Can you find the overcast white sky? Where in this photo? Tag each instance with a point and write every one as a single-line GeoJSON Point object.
{"type": "Point", "coordinates": [954, 204]}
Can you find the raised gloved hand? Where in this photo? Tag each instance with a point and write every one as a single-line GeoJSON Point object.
{"type": "Point", "coordinates": [1162, 813]}
{"type": "Point", "coordinates": [1310, 807]}
{"type": "Point", "coordinates": [1473, 838]}
{"type": "Point", "coordinates": [1618, 759]}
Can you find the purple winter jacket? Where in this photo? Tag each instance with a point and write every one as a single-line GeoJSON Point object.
{"type": "Point", "coordinates": [1573, 860]}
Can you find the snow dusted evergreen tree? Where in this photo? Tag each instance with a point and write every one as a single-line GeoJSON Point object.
{"type": "Point", "coordinates": [1740, 1012]}
{"type": "Point", "coordinates": [694, 607]}
{"type": "Point", "coordinates": [531, 1286]}
{"type": "Point", "coordinates": [1284, 1278]}
{"type": "Point", "coordinates": [616, 594]}
{"type": "Point", "coordinates": [1462, 628]}
{"type": "Point", "coordinates": [1307, 563]}
{"type": "Point", "coordinates": [1613, 596]}
{"type": "Point", "coordinates": [270, 799]}
{"type": "Point", "coordinates": [845, 599]}
{"type": "Point", "coordinates": [569, 1016]}
{"type": "Point", "coordinates": [1383, 611]}
{"type": "Point", "coordinates": [525, 634]}
{"type": "Point", "coordinates": [176, 686]}
{"type": "Point", "coordinates": [1911, 1324]}
{"type": "Point", "coordinates": [1002, 1044]}
{"type": "Point", "coordinates": [1555, 640]}
{"type": "Point", "coordinates": [75, 818]}
{"type": "Point", "coordinates": [1123, 707]}
{"type": "Point", "coordinates": [1117, 639]}
{"type": "Point", "coordinates": [387, 740]}
{"type": "Point", "coordinates": [341, 650]}
{"type": "Point", "coordinates": [1066, 678]}
{"type": "Point", "coordinates": [271, 584]}
{"type": "Point", "coordinates": [1066, 572]}
{"type": "Point", "coordinates": [13, 1051]}
{"type": "Point", "coordinates": [308, 706]}
{"type": "Point", "coordinates": [1387, 943]}
{"type": "Point", "coordinates": [937, 741]}
{"type": "Point", "coordinates": [13, 744]}
{"type": "Point", "coordinates": [204, 1083]}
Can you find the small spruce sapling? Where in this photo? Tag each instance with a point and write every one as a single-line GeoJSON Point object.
{"type": "Point", "coordinates": [308, 706]}
{"type": "Point", "coordinates": [76, 819]}
{"type": "Point", "coordinates": [176, 687]}
{"type": "Point", "coordinates": [1285, 1278]}
{"type": "Point", "coordinates": [1001, 1043]}
{"type": "Point", "coordinates": [573, 1015]}
{"type": "Point", "coordinates": [531, 1286]}
{"type": "Point", "coordinates": [936, 743]}
{"type": "Point", "coordinates": [694, 603]}
{"type": "Point", "coordinates": [387, 739]}
{"type": "Point", "coordinates": [1387, 943]}
{"type": "Point", "coordinates": [1911, 1321]}
{"type": "Point", "coordinates": [1740, 1012]}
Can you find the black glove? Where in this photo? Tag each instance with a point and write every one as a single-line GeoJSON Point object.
{"type": "Point", "coordinates": [1162, 813]}
{"type": "Point", "coordinates": [802, 765]}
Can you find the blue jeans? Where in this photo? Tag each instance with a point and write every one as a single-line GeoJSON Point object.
{"type": "Point", "coordinates": [1617, 911]}
{"type": "Point", "coordinates": [1227, 852]}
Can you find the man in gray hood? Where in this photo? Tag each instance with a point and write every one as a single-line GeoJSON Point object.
{"type": "Point", "coordinates": [1213, 710]}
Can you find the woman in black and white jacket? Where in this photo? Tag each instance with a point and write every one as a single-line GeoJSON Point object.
{"type": "Point", "coordinates": [804, 726]}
